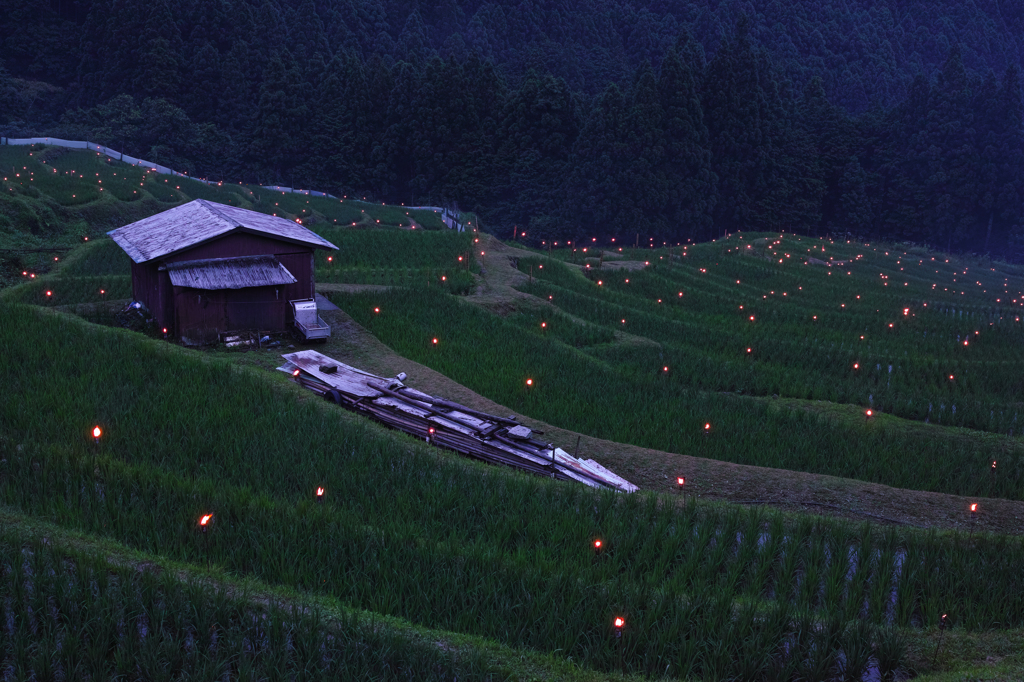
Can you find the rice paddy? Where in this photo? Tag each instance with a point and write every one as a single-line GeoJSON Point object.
{"type": "Point", "coordinates": [448, 544]}
{"type": "Point", "coordinates": [625, 394]}
{"type": "Point", "coordinates": [678, 588]}
{"type": "Point", "coordinates": [70, 615]}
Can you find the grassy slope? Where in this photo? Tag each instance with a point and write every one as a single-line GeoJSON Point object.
{"type": "Point", "coordinates": [494, 660]}
{"type": "Point", "coordinates": [152, 361]}
{"type": "Point", "coordinates": [966, 645]}
{"type": "Point", "coordinates": [53, 198]}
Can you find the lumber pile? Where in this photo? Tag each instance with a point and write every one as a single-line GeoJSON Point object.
{"type": "Point", "coordinates": [498, 440]}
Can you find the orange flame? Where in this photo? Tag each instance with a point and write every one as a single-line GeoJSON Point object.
{"type": "Point", "coordinates": [974, 507]}
{"type": "Point", "coordinates": [319, 492]}
{"type": "Point", "coordinates": [97, 432]}
{"type": "Point", "coordinates": [205, 520]}
{"type": "Point", "coordinates": [597, 544]}
{"type": "Point", "coordinates": [681, 480]}
{"type": "Point", "coordinates": [619, 621]}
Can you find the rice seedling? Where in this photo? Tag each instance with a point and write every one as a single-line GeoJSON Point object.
{"type": "Point", "coordinates": [454, 545]}
{"type": "Point", "coordinates": [82, 617]}
{"type": "Point", "coordinates": [493, 356]}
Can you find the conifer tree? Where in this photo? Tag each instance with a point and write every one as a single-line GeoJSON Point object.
{"type": "Point", "coordinates": [690, 182]}
{"type": "Point", "coordinates": [644, 170]}
{"type": "Point", "coordinates": [597, 192]}
{"type": "Point", "coordinates": [535, 135]}
{"type": "Point", "coordinates": [736, 112]}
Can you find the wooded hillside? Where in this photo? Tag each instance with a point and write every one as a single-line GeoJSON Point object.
{"type": "Point", "coordinates": [672, 121]}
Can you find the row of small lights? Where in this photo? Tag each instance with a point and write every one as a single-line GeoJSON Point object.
{"type": "Point", "coordinates": [599, 545]}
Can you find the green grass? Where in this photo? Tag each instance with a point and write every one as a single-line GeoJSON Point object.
{"type": "Point", "coordinates": [817, 333]}
{"type": "Point", "coordinates": [62, 291]}
{"type": "Point", "coordinates": [395, 249]}
{"type": "Point", "coordinates": [398, 258]}
{"type": "Point", "coordinates": [98, 257]}
{"type": "Point", "coordinates": [461, 552]}
{"type": "Point", "coordinates": [442, 542]}
{"type": "Point", "coordinates": [50, 196]}
{"type": "Point", "coordinates": [603, 391]}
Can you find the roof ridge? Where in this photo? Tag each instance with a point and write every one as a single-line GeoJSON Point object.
{"type": "Point", "coordinates": [209, 207]}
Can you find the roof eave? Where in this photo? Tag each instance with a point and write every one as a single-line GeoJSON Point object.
{"type": "Point", "coordinates": [326, 245]}
{"type": "Point", "coordinates": [126, 246]}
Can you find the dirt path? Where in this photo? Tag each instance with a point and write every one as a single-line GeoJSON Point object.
{"type": "Point", "coordinates": [654, 469]}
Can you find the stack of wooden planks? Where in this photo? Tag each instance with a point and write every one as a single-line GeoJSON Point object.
{"type": "Point", "coordinates": [498, 440]}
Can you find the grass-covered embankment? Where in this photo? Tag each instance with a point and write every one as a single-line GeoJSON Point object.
{"type": "Point", "coordinates": [585, 391]}
{"type": "Point", "coordinates": [446, 543]}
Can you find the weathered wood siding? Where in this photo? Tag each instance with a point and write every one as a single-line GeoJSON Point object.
{"type": "Point", "coordinates": [152, 287]}
{"type": "Point", "coordinates": [187, 311]}
{"type": "Point", "coordinates": [297, 258]}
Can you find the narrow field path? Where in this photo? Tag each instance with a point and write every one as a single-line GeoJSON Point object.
{"type": "Point", "coordinates": [655, 469]}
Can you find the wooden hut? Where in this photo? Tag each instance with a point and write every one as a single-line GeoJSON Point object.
{"type": "Point", "coordinates": [206, 269]}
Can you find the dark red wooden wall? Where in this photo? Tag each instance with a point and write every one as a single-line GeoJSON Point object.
{"type": "Point", "coordinates": [183, 310]}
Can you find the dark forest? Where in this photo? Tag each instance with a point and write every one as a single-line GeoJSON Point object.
{"type": "Point", "coordinates": [667, 120]}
